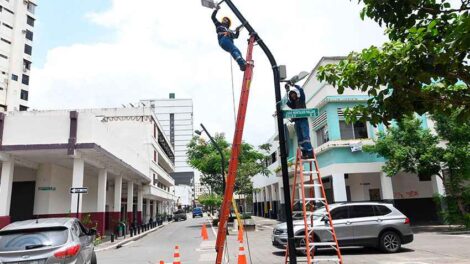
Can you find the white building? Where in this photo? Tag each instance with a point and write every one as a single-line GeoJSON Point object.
{"type": "Point", "coordinates": [16, 42]}
{"type": "Point", "coordinates": [348, 173]}
{"type": "Point", "coordinates": [120, 154]}
{"type": "Point", "coordinates": [176, 118]}
{"type": "Point", "coordinates": [184, 195]}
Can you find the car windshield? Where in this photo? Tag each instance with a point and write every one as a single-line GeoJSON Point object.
{"type": "Point", "coordinates": [28, 239]}
{"type": "Point", "coordinates": [196, 209]}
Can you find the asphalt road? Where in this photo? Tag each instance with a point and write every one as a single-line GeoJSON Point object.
{"type": "Point", "coordinates": [160, 245]}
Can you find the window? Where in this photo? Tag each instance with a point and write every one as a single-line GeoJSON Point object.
{"type": "Point", "coordinates": [155, 155]}
{"type": "Point", "coordinates": [424, 177]}
{"type": "Point", "coordinates": [322, 135]}
{"type": "Point", "coordinates": [273, 157]}
{"type": "Point", "coordinates": [7, 26]}
{"type": "Point", "coordinates": [26, 65]}
{"type": "Point", "coordinates": [14, 77]}
{"type": "Point", "coordinates": [362, 211]}
{"type": "Point", "coordinates": [353, 131]}
{"type": "Point", "coordinates": [31, 7]}
{"type": "Point", "coordinates": [28, 49]}
{"type": "Point", "coordinates": [25, 79]}
{"type": "Point", "coordinates": [155, 132]}
{"type": "Point", "coordinates": [6, 41]}
{"type": "Point", "coordinates": [23, 108]}
{"type": "Point", "coordinates": [172, 129]}
{"type": "Point", "coordinates": [30, 21]}
{"type": "Point", "coordinates": [3, 56]}
{"type": "Point", "coordinates": [340, 213]}
{"type": "Point", "coordinates": [29, 35]}
{"type": "Point", "coordinates": [381, 210]}
{"type": "Point", "coordinates": [24, 95]}
{"type": "Point", "coordinates": [154, 179]}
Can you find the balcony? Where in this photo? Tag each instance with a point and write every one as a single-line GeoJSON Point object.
{"type": "Point", "coordinates": [153, 192]}
{"type": "Point", "coordinates": [162, 174]}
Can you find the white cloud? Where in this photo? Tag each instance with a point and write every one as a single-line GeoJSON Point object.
{"type": "Point", "coordinates": [171, 46]}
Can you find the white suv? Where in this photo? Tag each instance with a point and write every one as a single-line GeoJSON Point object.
{"type": "Point", "coordinates": [370, 224]}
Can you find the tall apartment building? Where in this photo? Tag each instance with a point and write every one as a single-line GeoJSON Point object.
{"type": "Point", "coordinates": [16, 42]}
{"type": "Point", "coordinates": [176, 118]}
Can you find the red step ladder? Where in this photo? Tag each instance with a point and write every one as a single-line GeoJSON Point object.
{"type": "Point", "coordinates": [237, 140]}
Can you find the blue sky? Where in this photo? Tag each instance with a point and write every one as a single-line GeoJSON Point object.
{"type": "Point", "coordinates": [63, 23]}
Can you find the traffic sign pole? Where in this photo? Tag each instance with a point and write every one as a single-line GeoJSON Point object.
{"type": "Point", "coordinates": [78, 204]}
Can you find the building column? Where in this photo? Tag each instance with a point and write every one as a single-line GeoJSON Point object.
{"type": "Point", "coordinates": [101, 200]}
{"type": "Point", "coordinates": [339, 187]}
{"type": "Point", "coordinates": [6, 183]}
{"type": "Point", "coordinates": [116, 214]}
{"type": "Point", "coordinates": [147, 211]}
{"type": "Point", "coordinates": [140, 204]}
{"type": "Point", "coordinates": [77, 181]}
{"type": "Point", "coordinates": [386, 187]}
{"type": "Point", "coordinates": [130, 203]}
{"type": "Point", "coordinates": [438, 185]}
{"type": "Point", "coordinates": [154, 215]}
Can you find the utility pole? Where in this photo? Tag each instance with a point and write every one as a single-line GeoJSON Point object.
{"type": "Point", "coordinates": [280, 126]}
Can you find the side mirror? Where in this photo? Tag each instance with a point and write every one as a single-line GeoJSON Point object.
{"type": "Point", "coordinates": [92, 232]}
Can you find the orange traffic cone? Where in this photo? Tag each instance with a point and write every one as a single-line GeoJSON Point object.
{"type": "Point", "coordinates": [241, 255]}
{"type": "Point", "coordinates": [176, 256]}
{"type": "Point", "coordinates": [204, 234]}
{"type": "Point", "coordinates": [240, 235]}
{"type": "Point", "coordinates": [162, 262]}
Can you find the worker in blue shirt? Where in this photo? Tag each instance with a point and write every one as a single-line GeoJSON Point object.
{"type": "Point", "coordinates": [226, 36]}
{"type": "Point", "coordinates": [296, 100]}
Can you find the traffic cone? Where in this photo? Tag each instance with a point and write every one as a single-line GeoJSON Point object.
{"type": "Point", "coordinates": [204, 234]}
{"type": "Point", "coordinates": [176, 256]}
{"type": "Point", "coordinates": [241, 254]}
{"type": "Point", "coordinates": [162, 262]}
{"type": "Point", "coordinates": [240, 235]}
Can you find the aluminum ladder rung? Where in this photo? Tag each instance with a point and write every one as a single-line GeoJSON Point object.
{"type": "Point", "coordinates": [301, 212]}
{"type": "Point", "coordinates": [317, 260]}
{"type": "Point", "coordinates": [314, 199]}
{"type": "Point", "coordinates": [307, 160]}
{"type": "Point", "coordinates": [323, 244]}
{"type": "Point", "coordinates": [309, 185]}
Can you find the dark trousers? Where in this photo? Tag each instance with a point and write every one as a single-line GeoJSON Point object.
{"type": "Point", "coordinates": [303, 135]}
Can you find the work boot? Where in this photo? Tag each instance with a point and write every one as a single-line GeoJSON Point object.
{"type": "Point", "coordinates": [243, 66]}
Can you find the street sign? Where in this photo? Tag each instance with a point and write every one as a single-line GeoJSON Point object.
{"type": "Point", "coordinates": [300, 113]}
{"type": "Point", "coordinates": [46, 188]}
{"type": "Point", "coordinates": [79, 190]}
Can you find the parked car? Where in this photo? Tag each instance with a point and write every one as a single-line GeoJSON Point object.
{"type": "Point", "coordinates": [49, 240]}
{"type": "Point", "coordinates": [179, 215]}
{"type": "Point", "coordinates": [197, 211]}
{"type": "Point", "coordinates": [371, 224]}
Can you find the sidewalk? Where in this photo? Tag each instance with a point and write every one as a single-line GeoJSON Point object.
{"type": "Point", "coordinates": [119, 242]}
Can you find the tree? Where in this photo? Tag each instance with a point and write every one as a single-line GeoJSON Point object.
{"type": "Point", "coordinates": [410, 148]}
{"type": "Point", "coordinates": [203, 156]}
{"type": "Point", "coordinates": [424, 68]}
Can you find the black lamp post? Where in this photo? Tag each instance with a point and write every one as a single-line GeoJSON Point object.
{"type": "Point", "coordinates": [220, 152]}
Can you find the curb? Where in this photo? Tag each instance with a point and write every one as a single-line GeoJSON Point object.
{"type": "Point", "coordinates": [130, 239]}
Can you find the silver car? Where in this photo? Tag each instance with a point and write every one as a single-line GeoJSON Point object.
{"type": "Point", "coordinates": [47, 241]}
{"type": "Point", "coordinates": [370, 224]}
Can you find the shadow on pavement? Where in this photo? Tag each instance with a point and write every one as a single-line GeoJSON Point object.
{"type": "Point", "coordinates": [349, 251]}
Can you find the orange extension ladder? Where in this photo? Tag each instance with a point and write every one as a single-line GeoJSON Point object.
{"type": "Point", "coordinates": [306, 242]}
{"type": "Point", "coordinates": [237, 141]}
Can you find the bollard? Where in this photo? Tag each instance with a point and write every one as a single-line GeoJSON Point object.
{"type": "Point", "coordinates": [131, 232]}
{"type": "Point", "coordinates": [112, 238]}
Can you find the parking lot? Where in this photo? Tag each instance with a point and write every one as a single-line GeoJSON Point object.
{"type": "Point", "coordinates": [429, 246]}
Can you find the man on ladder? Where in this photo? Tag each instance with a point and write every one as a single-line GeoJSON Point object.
{"type": "Point", "coordinates": [296, 100]}
{"type": "Point", "coordinates": [226, 37]}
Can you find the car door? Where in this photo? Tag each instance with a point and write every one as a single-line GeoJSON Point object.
{"type": "Point", "coordinates": [86, 242]}
{"type": "Point", "coordinates": [364, 222]}
{"type": "Point", "coordinates": [342, 225]}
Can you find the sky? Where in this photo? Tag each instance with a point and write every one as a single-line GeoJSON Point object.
{"type": "Point", "coordinates": [106, 53]}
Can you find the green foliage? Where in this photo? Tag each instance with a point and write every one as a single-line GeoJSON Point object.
{"type": "Point", "coordinates": [409, 147]}
{"type": "Point", "coordinates": [203, 156]}
{"type": "Point", "coordinates": [423, 68]}
{"type": "Point", "coordinates": [451, 214]}
{"type": "Point", "coordinates": [210, 200]}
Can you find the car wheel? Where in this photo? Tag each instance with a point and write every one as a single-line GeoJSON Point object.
{"type": "Point", "coordinates": [93, 258]}
{"type": "Point", "coordinates": [390, 242]}
{"type": "Point", "coordinates": [301, 243]}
